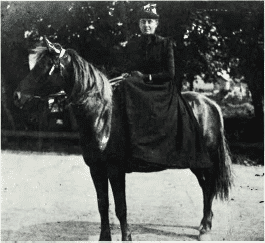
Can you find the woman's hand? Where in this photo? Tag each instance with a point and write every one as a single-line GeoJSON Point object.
{"type": "Point", "coordinates": [125, 75]}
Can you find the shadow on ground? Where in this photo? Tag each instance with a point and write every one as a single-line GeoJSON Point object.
{"type": "Point", "coordinates": [83, 231]}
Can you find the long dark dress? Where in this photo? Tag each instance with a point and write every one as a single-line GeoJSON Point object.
{"type": "Point", "coordinates": [162, 127]}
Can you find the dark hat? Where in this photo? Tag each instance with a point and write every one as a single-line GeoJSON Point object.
{"type": "Point", "coordinates": [148, 12]}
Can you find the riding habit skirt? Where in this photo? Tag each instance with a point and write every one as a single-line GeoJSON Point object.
{"type": "Point", "coordinates": [162, 127]}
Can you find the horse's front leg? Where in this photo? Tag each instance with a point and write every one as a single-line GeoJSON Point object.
{"type": "Point", "coordinates": [206, 181]}
{"type": "Point", "coordinates": [117, 181]}
{"type": "Point", "coordinates": [100, 179]}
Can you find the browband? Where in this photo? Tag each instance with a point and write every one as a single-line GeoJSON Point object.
{"type": "Point", "coordinates": [62, 53]}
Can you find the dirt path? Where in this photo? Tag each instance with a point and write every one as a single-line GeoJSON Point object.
{"type": "Point", "coordinates": [52, 198]}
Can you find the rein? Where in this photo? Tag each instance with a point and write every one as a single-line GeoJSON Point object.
{"type": "Point", "coordinates": [117, 80]}
{"type": "Point", "coordinates": [113, 82]}
{"type": "Point", "coordinates": [57, 64]}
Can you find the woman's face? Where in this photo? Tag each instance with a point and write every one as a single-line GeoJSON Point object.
{"type": "Point", "coordinates": [148, 26]}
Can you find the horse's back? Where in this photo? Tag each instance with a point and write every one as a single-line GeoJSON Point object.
{"type": "Point", "coordinates": [208, 115]}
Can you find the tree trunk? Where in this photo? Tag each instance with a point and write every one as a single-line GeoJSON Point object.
{"type": "Point", "coordinates": [256, 87]}
{"type": "Point", "coordinates": [6, 113]}
{"type": "Point", "coordinates": [191, 80]}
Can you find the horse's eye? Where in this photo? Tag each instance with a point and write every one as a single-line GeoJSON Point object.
{"type": "Point", "coordinates": [65, 56]}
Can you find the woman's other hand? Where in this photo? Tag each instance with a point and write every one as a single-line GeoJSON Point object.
{"type": "Point", "coordinates": [137, 74]}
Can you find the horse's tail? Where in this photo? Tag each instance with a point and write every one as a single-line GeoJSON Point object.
{"type": "Point", "coordinates": [222, 165]}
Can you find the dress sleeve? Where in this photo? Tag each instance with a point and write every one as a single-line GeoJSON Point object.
{"type": "Point", "coordinates": [168, 72]}
{"type": "Point", "coordinates": [131, 60]}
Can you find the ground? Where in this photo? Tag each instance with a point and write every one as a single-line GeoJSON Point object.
{"type": "Point", "coordinates": [51, 197]}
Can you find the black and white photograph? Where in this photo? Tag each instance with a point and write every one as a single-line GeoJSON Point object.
{"type": "Point", "coordinates": [132, 121]}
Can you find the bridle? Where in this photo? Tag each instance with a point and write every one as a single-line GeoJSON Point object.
{"type": "Point", "coordinates": [57, 64]}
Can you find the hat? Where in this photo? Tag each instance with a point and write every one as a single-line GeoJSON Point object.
{"type": "Point", "coordinates": [148, 12]}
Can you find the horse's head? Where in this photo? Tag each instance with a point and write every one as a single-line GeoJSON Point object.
{"type": "Point", "coordinates": [49, 69]}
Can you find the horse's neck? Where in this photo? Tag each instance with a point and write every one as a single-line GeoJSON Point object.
{"type": "Point", "coordinates": [95, 118]}
{"type": "Point", "coordinates": [95, 98]}
{"type": "Point", "coordinates": [97, 125]}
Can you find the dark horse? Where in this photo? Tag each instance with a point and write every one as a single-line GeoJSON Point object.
{"type": "Point", "coordinates": [102, 135]}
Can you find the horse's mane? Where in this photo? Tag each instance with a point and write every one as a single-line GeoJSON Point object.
{"type": "Point", "coordinates": [92, 90]}
{"type": "Point", "coordinates": [89, 81]}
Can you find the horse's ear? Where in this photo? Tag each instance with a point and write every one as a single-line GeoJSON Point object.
{"type": "Point", "coordinates": [51, 47]}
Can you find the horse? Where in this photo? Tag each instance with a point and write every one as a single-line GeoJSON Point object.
{"type": "Point", "coordinates": [97, 107]}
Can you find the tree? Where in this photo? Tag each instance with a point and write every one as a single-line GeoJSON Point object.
{"type": "Point", "coordinates": [210, 36]}
{"type": "Point", "coordinates": [245, 41]}
{"type": "Point", "coordinates": [224, 36]}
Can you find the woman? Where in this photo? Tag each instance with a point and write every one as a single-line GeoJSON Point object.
{"type": "Point", "coordinates": [162, 127]}
{"type": "Point", "coordinates": [151, 55]}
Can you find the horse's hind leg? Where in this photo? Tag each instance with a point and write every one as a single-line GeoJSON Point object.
{"type": "Point", "coordinates": [206, 181]}
{"type": "Point", "coordinates": [117, 181]}
{"type": "Point", "coordinates": [100, 179]}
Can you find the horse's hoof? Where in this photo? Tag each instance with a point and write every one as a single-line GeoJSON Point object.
{"type": "Point", "coordinates": [105, 237]}
{"type": "Point", "coordinates": [127, 238]}
{"type": "Point", "coordinates": [205, 237]}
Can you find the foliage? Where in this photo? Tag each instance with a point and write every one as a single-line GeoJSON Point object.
{"type": "Point", "coordinates": [210, 36]}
